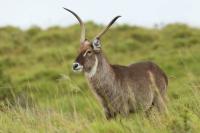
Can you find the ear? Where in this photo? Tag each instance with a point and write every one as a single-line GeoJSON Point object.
{"type": "Point", "coordinates": [96, 44]}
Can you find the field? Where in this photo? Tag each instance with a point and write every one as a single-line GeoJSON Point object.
{"type": "Point", "coordinates": [39, 92]}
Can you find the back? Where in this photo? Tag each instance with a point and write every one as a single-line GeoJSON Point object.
{"type": "Point", "coordinates": [137, 74]}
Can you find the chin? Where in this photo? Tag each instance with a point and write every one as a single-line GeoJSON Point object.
{"type": "Point", "coordinates": [78, 70]}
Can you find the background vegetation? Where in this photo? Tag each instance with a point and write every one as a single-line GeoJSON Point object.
{"type": "Point", "coordinates": [40, 93]}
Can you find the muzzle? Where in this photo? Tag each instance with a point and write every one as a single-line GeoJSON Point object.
{"type": "Point", "coordinates": [77, 67]}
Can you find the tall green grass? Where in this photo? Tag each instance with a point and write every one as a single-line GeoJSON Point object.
{"type": "Point", "coordinates": [40, 93]}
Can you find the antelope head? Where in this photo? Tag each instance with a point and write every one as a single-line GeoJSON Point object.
{"type": "Point", "coordinates": [87, 56]}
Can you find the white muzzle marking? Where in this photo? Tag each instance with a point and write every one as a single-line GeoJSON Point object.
{"type": "Point", "coordinates": [77, 67]}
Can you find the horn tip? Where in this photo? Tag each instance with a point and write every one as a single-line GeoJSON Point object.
{"type": "Point", "coordinates": [66, 9]}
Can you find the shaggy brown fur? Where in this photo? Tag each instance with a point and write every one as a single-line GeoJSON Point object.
{"type": "Point", "coordinates": [125, 89]}
{"type": "Point", "coordinates": [120, 89]}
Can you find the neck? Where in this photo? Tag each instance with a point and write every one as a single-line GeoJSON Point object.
{"type": "Point", "coordinates": [103, 83]}
{"type": "Point", "coordinates": [101, 72]}
{"type": "Point", "coordinates": [93, 71]}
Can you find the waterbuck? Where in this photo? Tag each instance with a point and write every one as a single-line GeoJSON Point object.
{"type": "Point", "coordinates": [120, 89]}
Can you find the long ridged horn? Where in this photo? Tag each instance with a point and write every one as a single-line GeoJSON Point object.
{"type": "Point", "coordinates": [108, 26]}
{"type": "Point", "coordinates": [81, 24]}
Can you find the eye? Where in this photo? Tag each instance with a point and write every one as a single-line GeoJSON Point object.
{"type": "Point", "coordinates": [89, 52]}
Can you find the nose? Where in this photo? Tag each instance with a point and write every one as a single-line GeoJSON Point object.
{"type": "Point", "coordinates": [75, 66]}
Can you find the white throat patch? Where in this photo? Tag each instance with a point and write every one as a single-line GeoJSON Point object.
{"type": "Point", "coordinates": [94, 69]}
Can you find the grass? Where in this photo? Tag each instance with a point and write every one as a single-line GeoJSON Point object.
{"type": "Point", "coordinates": [40, 93]}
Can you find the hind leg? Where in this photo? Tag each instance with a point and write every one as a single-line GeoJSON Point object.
{"type": "Point", "coordinates": [159, 103]}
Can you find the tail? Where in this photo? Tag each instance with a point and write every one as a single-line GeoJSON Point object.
{"type": "Point", "coordinates": [159, 70]}
{"type": "Point", "coordinates": [165, 77]}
